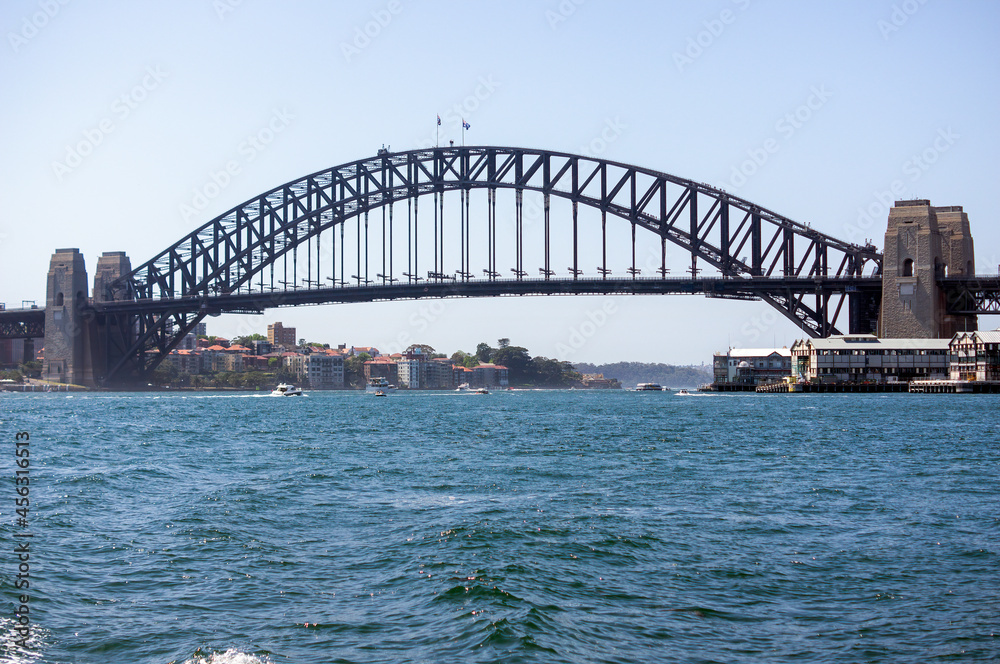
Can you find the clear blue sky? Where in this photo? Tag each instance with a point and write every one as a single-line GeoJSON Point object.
{"type": "Point", "coordinates": [692, 87]}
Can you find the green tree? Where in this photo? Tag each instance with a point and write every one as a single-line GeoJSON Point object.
{"type": "Point", "coordinates": [423, 348]}
{"type": "Point", "coordinates": [255, 380]}
{"type": "Point", "coordinates": [12, 374]}
{"type": "Point", "coordinates": [31, 369]}
{"type": "Point", "coordinates": [553, 373]}
{"type": "Point", "coordinates": [248, 340]}
{"type": "Point", "coordinates": [504, 342]}
{"type": "Point", "coordinates": [165, 374]}
{"type": "Point", "coordinates": [462, 358]}
{"type": "Point", "coordinates": [484, 353]}
{"type": "Point", "coordinates": [518, 362]}
{"type": "Point", "coordinates": [354, 370]}
{"type": "Point", "coordinates": [283, 376]}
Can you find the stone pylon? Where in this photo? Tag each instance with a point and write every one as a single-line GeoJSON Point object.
{"type": "Point", "coordinates": [110, 266]}
{"type": "Point", "coordinates": [922, 244]}
{"type": "Point", "coordinates": [67, 334]}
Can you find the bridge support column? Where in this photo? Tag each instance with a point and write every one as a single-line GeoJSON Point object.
{"type": "Point", "coordinates": [923, 243]}
{"type": "Point", "coordinates": [67, 327]}
{"type": "Point", "coordinates": [110, 266]}
{"type": "Point", "coordinates": [864, 313]}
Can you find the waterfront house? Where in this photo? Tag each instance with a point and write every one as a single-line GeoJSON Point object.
{"type": "Point", "coordinates": [752, 366]}
{"type": "Point", "coordinates": [489, 375]}
{"type": "Point", "coordinates": [861, 358]}
{"type": "Point", "coordinates": [975, 355]}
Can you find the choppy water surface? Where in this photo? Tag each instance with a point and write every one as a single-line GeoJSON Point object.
{"type": "Point", "coordinates": [515, 527]}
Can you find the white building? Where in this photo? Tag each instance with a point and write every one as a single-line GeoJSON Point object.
{"type": "Point", "coordinates": [975, 355]}
{"type": "Point", "coordinates": [865, 358]}
{"type": "Point", "coordinates": [409, 373]}
{"type": "Point", "coordinates": [752, 365]}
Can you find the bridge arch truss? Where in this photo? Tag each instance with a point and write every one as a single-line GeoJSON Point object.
{"type": "Point", "coordinates": [239, 261]}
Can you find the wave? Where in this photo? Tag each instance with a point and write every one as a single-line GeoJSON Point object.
{"type": "Point", "coordinates": [11, 652]}
{"type": "Point", "coordinates": [231, 656]}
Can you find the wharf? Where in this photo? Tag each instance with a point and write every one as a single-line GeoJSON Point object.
{"type": "Point", "coordinates": [955, 386]}
{"type": "Point", "coordinates": [825, 388]}
{"type": "Point", "coordinates": [41, 387]}
{"type": "Point", "coordinates": [729, 387]}
{"type": "Point", "coordinates": [939, 386]}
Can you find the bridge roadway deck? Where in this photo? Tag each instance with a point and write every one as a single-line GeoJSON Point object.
{"type": "Point", "coordinates": [22, 323]}
{"type": "Point", "coordinates": [719, 287]}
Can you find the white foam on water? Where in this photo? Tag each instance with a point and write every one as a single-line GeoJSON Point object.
{"type": "Point", "coordinates": [247, 395]}
{"type": "Point", "coordinates": [10, 652]}
{"type": "Point", "coordinates": [231, 656]}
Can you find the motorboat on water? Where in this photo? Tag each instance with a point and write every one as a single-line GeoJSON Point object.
{"type": "Point", "coordinates": [379, 393]}
{"type": "Point", "coordinates": [482, 390]}
{"type": "Point", "coordinates": [464, 387]}
{"type": "Point", "coordinates": [683, 393]}
{"type": "Point", "coordinates": [379, 384]}
{"type": "Point", "coordinates": [648, 387]}
{"type": "Point", "coordinates": [286, 390]}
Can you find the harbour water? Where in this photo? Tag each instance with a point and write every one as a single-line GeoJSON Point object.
{"type": "Point", "coordinates": [515, 527]}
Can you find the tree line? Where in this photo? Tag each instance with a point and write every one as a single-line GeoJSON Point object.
{"type": "Point", "coordinates": [523, 370]}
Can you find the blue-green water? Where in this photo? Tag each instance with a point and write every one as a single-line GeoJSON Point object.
{"type": "Point", "coordinates": [514, 527]}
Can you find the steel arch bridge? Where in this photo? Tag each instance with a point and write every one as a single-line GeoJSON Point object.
{"type": "Point", "coordinates": [258, 254]}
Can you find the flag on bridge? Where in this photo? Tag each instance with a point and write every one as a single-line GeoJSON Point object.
{"type": "Point", "coordinates": [465, 125]}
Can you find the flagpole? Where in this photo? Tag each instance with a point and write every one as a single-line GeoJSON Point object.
{"type": "Point", "coordinates": [463, 132]}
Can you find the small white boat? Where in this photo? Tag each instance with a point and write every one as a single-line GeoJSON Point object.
{"type": "Point", "coordinates": [379, 393]}
{"type": "Point", "coordinates": [464, 387]}
{"type": "Point", "coordinates": [683, 393]}
{"type": "Point", "coordinates": [286, 390]}
{"type": "Point", "coordinates": [482, 390]}
{"type": "Point", "coordinates": [379, 384]}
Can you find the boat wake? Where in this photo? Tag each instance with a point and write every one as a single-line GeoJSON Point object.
{"type": "Point", "coordinates": [231, 656]}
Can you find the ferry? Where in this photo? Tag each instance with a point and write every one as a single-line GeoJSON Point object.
{"type": "Point", "coordinates": [286, 390]}
{"type": "Point", "coordinates": [379, 384]}
{"type": "Point", "coordinates": [648, 387]}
